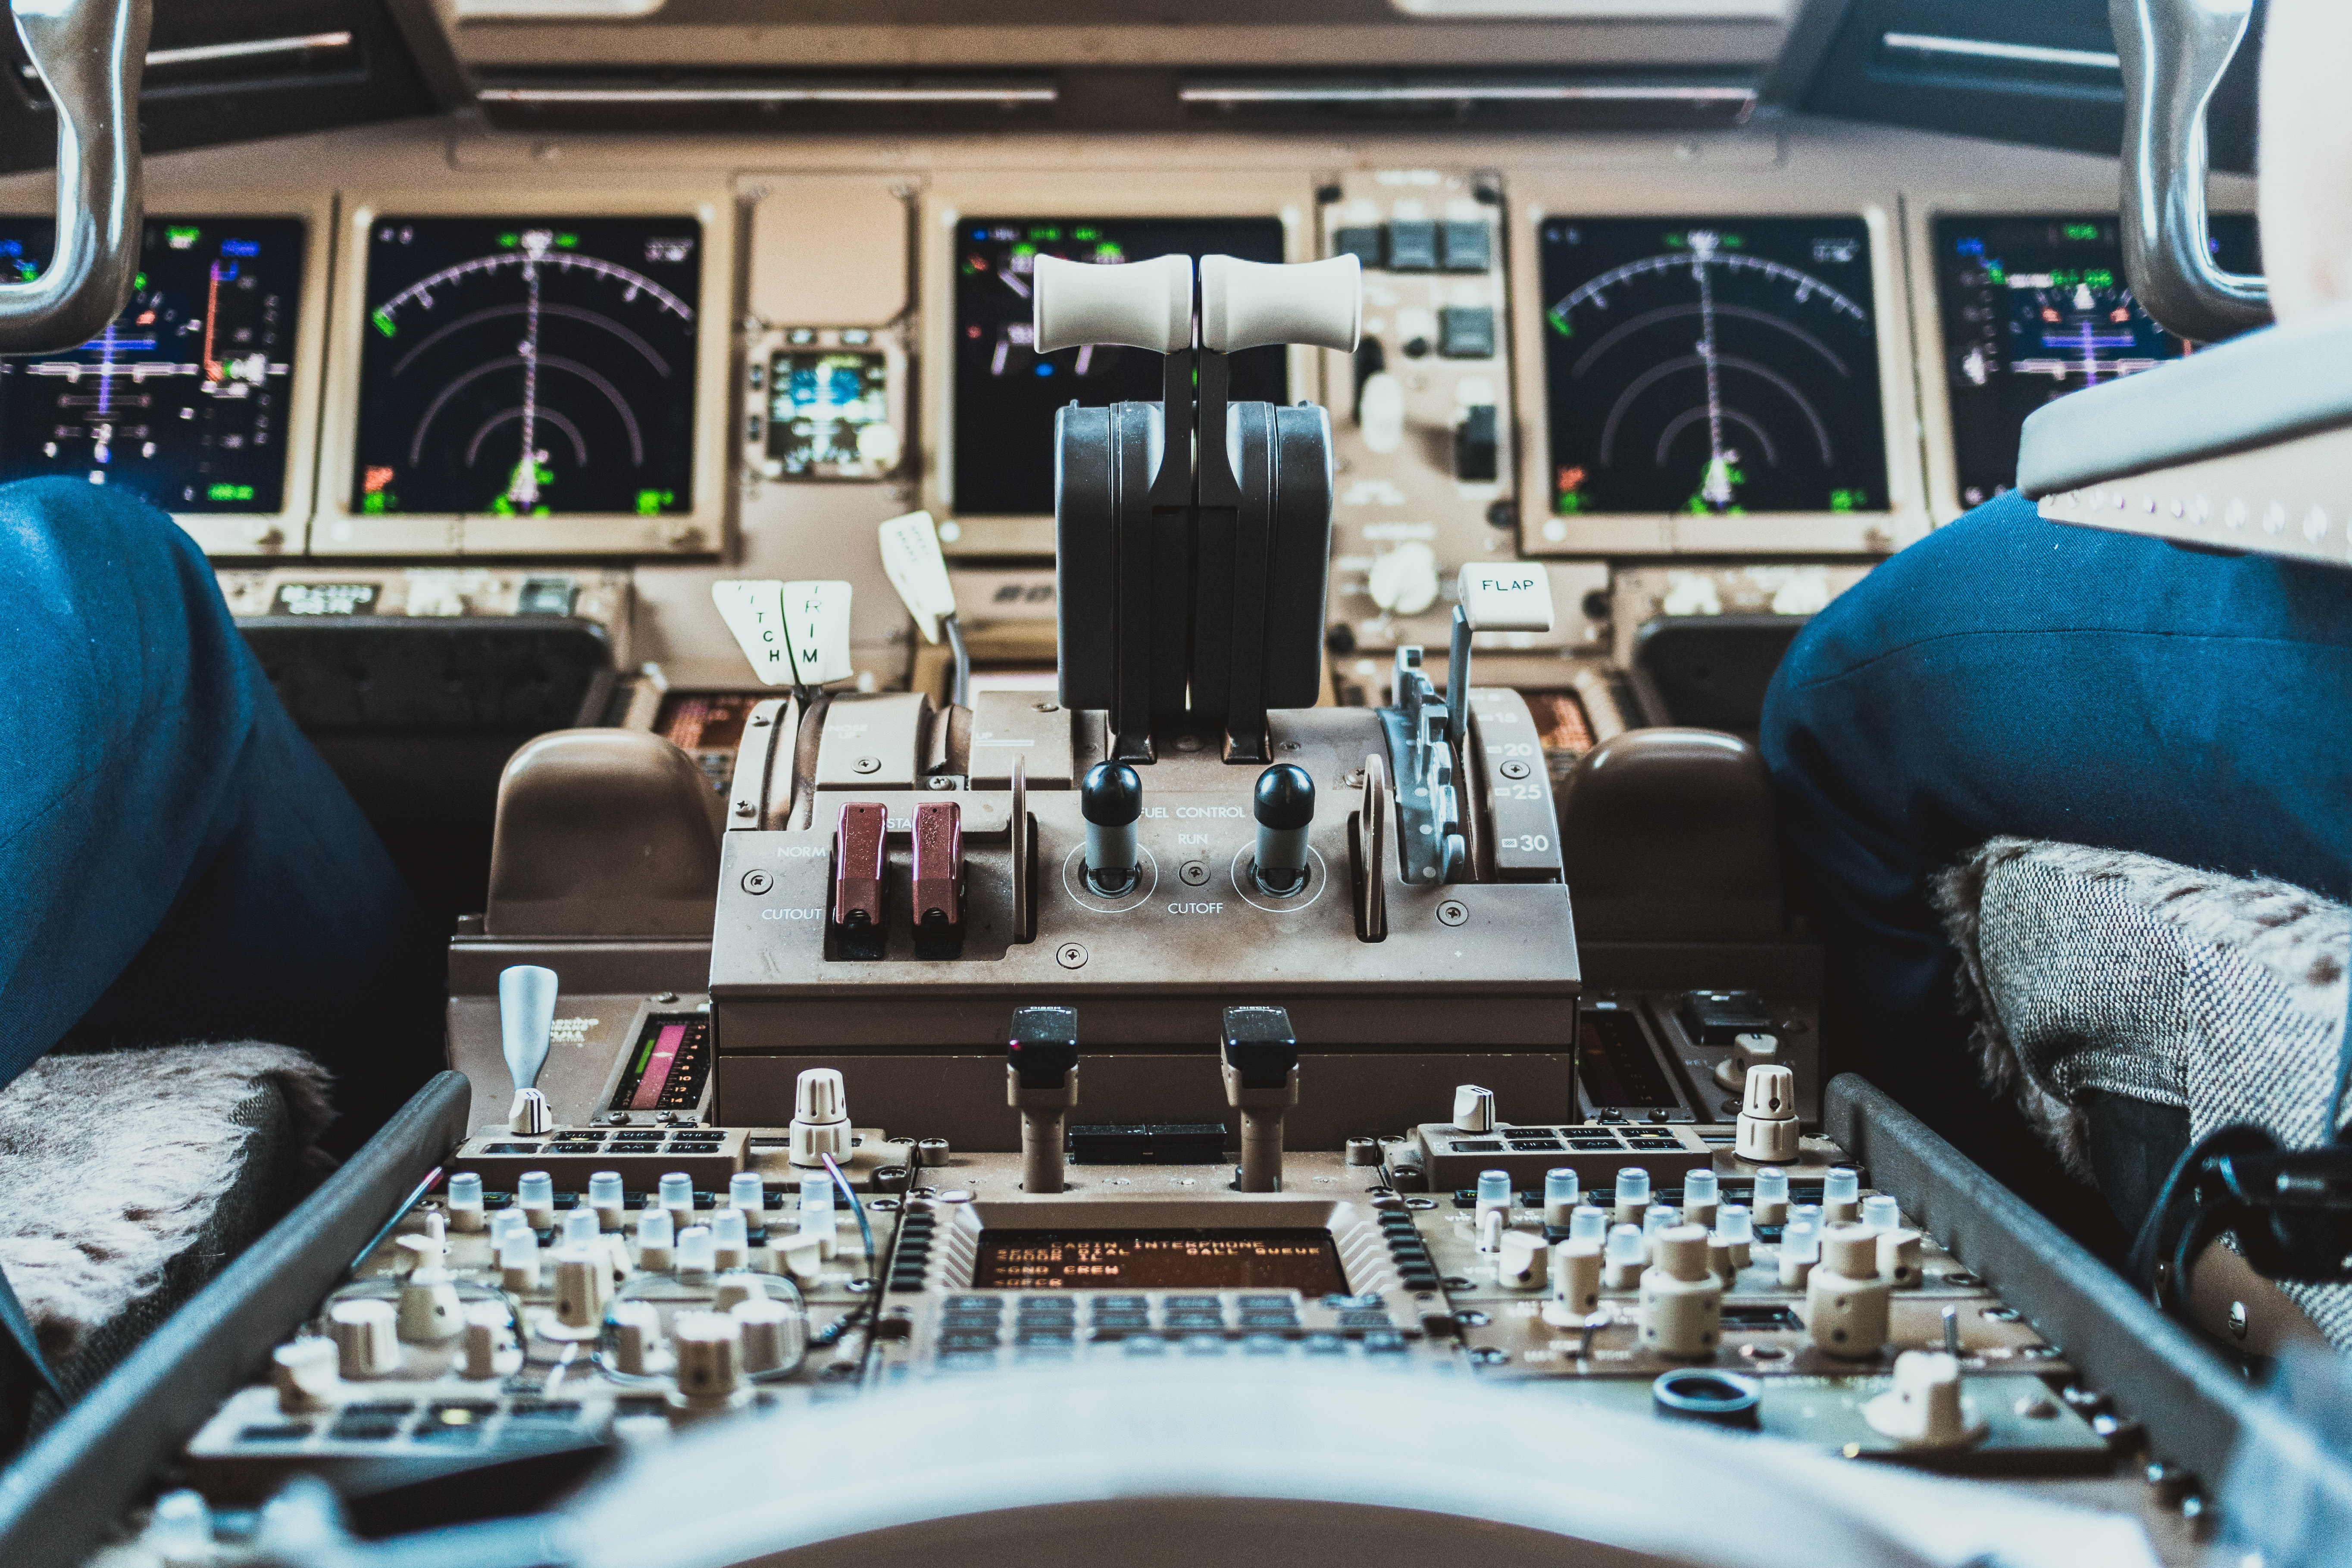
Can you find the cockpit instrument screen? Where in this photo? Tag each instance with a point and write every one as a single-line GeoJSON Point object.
{"type": "Point", "coordinates": [1711, 366]}
{"type": "Point", "coordinates": [1302, 1260]}
{"type": "Point", "coordinates": [528, 367]}
{"type": "Point", "coordinates": [822, 403]}
{"type": "Point", "coordinates": [2035, 308]}
{"type": "Point", "coordinates": [183, 398]}
{"type": "Point", "coordinates": [1005, 393]}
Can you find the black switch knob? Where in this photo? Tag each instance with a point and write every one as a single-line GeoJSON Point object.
{"type": "Point", "coordinates": [1284, 802]}
{"type": "Point", "coordinates": [1260, 1045]}
{"type": "Point", "coordinates": [1110, 798]}
{"type": "Point", "coordinates": [1043, 1044]}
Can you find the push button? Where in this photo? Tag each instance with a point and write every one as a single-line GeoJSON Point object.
{"type": "Point", "coordinates": [1413, 247]}
{"type": "Point", "coordinates": [1465, 332]}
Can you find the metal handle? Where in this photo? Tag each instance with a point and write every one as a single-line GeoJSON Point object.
{"type": "Point", "coordinates": [88, 54]}
{"type": "Point", "coordinates": [2173, 52]}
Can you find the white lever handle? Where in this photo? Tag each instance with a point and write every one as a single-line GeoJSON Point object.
{"type": "Point", "coordinates": [1249, 304]}
{"type": "Point", "coordinates": [525, 1015]}
{"type": "Point", "coordinates": [1135, 304]}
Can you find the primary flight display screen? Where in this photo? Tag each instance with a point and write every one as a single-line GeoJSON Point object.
{"type": "Point", "coordinates": [1712, 366]}
{"type": "Point", "coordinates": [2035, 308]}
{"type": "Point", "coordinates": [1302, 1260]}
{"type": "Point", "coordinates": [182, 399]}
{"type": "Point", "coordinates": [1005, 393]}
{"type": "Point", "coordinates": [528, 366]}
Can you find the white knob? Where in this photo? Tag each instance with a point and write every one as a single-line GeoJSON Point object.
{"type": "Point", "coordinates": [677, 1195]}
{"type": "Point", "coordinates": [518, 1261]}
{"type": "Point", "coordinates": [1404, 580]}
{"type": "Point", "coordinates": [1136, 304]}
{"type": "Point", "coordinates": [1846, 1306]}
{"type": "Point", "coordinates": [367, 1342]}
{"type": "Point", "coordinates": [1575, 1282]}
{"type": "Point", "coordinates": [429, 1311]}
{"type": "Point", "coordinates": [606, 1200]}
{"type": "Point", "coordinates": [1523, 1262]}
{"type": "Point", "coordinates": [464, 1203]}
{"type": "Point", "coordinates": [411, 1253]}
{"type": "Point", "coordinates": [656, 1234]}
{"type": "Point", "coordinates": [775, 1334]}
{"type": "Point", "coordinates": [1925, 1408]}
{"type": "Point", "coordinates": [878, 446]}
{"type": "Point", "coordinates": [735, 1289]}
{"type": "Point", "coordinates": [803, 1254]}
{"type": "Point", "coordinates": [710, 1351]}
{"type": "Point", "coordinates": [731, 1246]}
{"type": "Point", "coordinates": [529, 1116]}
{"type": "Point", "coordinates": [535, 1196]}
{"type": "Point", "coordinates": [746, 1192]}
{"type": "Point", "coordinates": [305, 1373]}
{"type": "Point", "coordinates": [1768, 1116]}
{"type": "Point", "coordinates": [640, 1352]}
{"type": "Point", "coordinates": [1899, 1252]}
{"type": "Point", "coordinates": [180, 1530]}
{"type": "Point", "coordinates": [1473, 1109]}
{"type": "Point", "coordinates": [820, 1110]}
{"type": "Point", "coordinates": [490, 1347]}
{"type": "Point", "coordinates": [1747, 1051]}
{"type": "Point", "coordinates": [1250, 304]}
{"type": "Point", "coordinates": [1379, 412]}
{"type": "Point", "coordinates": [583, 1279]}
{"type": "Point", "coordinates": [1682, 1300]}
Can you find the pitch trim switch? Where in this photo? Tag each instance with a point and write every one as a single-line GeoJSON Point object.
{"type": "Point", "coordinates": [1110, 798]}
{"type": "Point", "coordinates": [1261, 1073]}
{"type": "Point", "coordinates": [1284, 802]}
{"type": "Point", "coordinates": [526, 1017]}
{"type": "Point", "coordinates": [1041, 1081]}
{"type": "Point", "coordinates": [859, 839]}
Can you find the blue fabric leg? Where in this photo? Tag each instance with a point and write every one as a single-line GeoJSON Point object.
{"type": "Point", "coordinates": [2011, 676]}
{"type": "Point", "coordinates": [177, 862]}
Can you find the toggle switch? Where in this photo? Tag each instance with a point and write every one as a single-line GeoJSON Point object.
{"type": "Point", "coordinates": [820, 1118]}
{"type": "Point", "coordinates": [1284, 802]}
{"type": "Point", "coordinates": [526, 1018]}
{"type": "Point", "coordinates": [1041, 1081]}
{"type": "Point", "coordinates": [938, 879]}
{"type": "Point", "coordinates": [1478, 444]}
{"type": "Point", "coordinates": [860, 837]}
{"type": "Point", "coordinates": [1110, 799]}
{"type": "Point", "coordinates": [1261, 1072]}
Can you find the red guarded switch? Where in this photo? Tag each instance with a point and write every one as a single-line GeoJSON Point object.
{"type": "Point", "coordinates": [938, 865]}
{"type": "Point", "coordinates": [857, 865]}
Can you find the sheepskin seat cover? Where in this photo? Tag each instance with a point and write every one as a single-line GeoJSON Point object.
{"type": "Point", "coordinates": [2098, 970]}
{"type": "Point", "coordinates": [134, 1175]}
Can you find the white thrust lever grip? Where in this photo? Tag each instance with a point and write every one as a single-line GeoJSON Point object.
{"type": "Point", "coordinates": [1135, 304]}
{"type": "Point", "coordinates": [525, 1016]}
{"type": "Point", "coordinates": [1250, 304]}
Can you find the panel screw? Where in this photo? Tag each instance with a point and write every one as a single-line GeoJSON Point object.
{"type": "Point", "coordinates": [1071, 955]}
{"type": "Point", "coordinates": [866, 765]}
{"type": "Point", "coordinates": [1192, 873]}
{"type": "Point", "coordinates": [743, 808]}
{"type": "Point", "coordinates": [672, 995]}
{"type": "Point", "coordinates": [1452, 913]}
{"type": "Point", "coordinates": [1513, 769]}
{"type": "Point", "coordinates": [943, 781]}
{"type": "Point", "coordinates": [757, 881]}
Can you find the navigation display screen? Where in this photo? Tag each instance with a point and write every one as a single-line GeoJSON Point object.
{"type": "Point", "coordinates": [1005, 393]}
{"type": "Point", "coordinates": [1302, 1260]}
{"type": "Point", "coordinates": [182, 400]}
{"type": "Point", "coordinates": [1712, 366]}
{"type": "Point", "coordinates": [821, 405]}
{"type": "Point", "coordinates": [528, 366]}
{"type": "Point", "coordinates": [2035, 308]}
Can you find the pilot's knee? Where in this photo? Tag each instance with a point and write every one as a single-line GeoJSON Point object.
{"type": "Point", "coordinates": [52, 526]}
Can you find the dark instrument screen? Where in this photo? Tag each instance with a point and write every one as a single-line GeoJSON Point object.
{"type": "Point", "coordinates": [1303, 1260]}
{"type": "Point", "coordinates": [182, 399]}
{"type": "Point", "coordinates": [1005, 393]}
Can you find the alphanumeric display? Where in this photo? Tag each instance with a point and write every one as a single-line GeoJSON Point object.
{"type": "Point", "coordinates": [529, 367]}
{"type": "Point", "coordinates": [1301, 1260]}
{"type": "Point", "coordinates": [1005, 393]}
{"type": "Point", "coordinates": [183, 398]}
{"type": "Point", "coordinates": [2035, 308]}
{"type": "Point", "coordinates": [1712, 367]}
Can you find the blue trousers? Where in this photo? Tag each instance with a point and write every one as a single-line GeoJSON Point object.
{"type": "Point", "coordinates": [176, 863]}
{"type": "Point", "coordinates": [2011, 676]}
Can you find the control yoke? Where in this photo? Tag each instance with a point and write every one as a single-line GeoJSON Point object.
{"type": "Point", "coordinates": [2173, 53]}
{"type": "Point", "coordinates": [90, 54]}
{"type": "Point", "coordinates": [1194, 535]}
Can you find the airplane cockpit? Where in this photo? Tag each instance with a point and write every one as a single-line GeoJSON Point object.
{"type": "Point", "coordinates": [1017, 783]}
